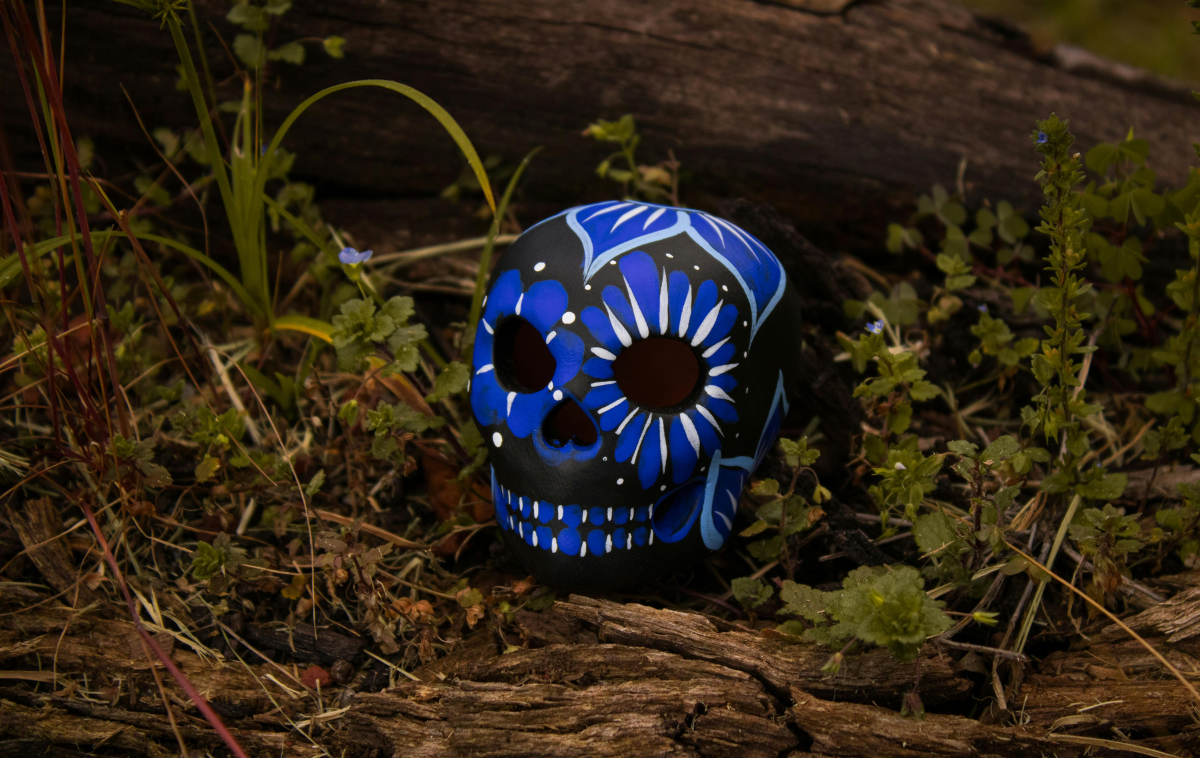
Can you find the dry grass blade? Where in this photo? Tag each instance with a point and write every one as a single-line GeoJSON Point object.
{"type": "Point", "coordinates": [1149, 648]}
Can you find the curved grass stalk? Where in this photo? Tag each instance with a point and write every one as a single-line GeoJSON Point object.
{"type": "Point", "coordinates": [444, 118]}
{"type": "Point", "coordinates": [311, 326]}
{"type": "Point", "coordinates": [485, 258]}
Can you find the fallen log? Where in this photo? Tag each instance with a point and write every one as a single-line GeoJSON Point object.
{"type": "Point", "coordinates": [828, 115]}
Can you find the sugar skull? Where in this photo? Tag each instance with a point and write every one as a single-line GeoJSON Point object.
{"type": "Point", "coordinates": [630, 371]}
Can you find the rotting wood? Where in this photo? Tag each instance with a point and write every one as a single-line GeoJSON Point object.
{"type": "Point", "coordinates": [600, 678]}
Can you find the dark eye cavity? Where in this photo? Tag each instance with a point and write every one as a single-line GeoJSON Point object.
{"type": "Point", "coordinates": [657, 373]}
{"type": "Point", "coordinates": [522, 360]}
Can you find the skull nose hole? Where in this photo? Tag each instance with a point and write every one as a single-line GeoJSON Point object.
{"type": "Point", "coordinates": [523, 361]}
{"type": "Point", "coordinates": [567, 422]}
{"type": "Point", "coordinates": [657, 372]}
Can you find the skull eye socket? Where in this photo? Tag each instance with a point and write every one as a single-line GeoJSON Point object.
{"type": "Point", "coordinates": [522, 360]}
{"type": "Point", "coordinates": [657, 373]}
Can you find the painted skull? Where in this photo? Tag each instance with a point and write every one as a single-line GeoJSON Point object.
{"type": "Point", "coordinates": [629, 374]}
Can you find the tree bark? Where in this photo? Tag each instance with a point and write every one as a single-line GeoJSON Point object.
{"type": "Point", "coordinates": [830, 117]}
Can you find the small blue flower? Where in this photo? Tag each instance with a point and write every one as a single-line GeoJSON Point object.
{"type": "Point", "coordinates": [1042, 138]}
{"type": "Point", "coordinates": [352, 257]}
{"type": "Point", "coordinates": [983, 308]}
{"type": "Point", "coordinates": [875, 327]}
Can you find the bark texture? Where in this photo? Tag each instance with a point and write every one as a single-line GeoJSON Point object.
{"type": "Point", "coordinates": [823, 114]}
{"type": "Point", "coordinates": [597, 678]}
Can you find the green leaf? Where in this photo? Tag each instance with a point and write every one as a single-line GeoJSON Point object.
{"type": "Point", "coordinates": [314, 484]}
{"type": "Point", "coordinates": [249, 49]}
{"type": "Point", "coordinates": [751, 593]}
{"type": "Point", "coordinates": [292, 52]}
{"type": "Point", "coordinates": [933, 532]}
{"type": "Point", "coordinates": [333, 46]}
{"type": "Point", "coordinates": [207, 468]}
{"type": "Point", "coordinates": [804, 601]}
{"type": "Point", "coordinates": [451, 381]}
{"type": "Point", "coordinates": [1002, 449]}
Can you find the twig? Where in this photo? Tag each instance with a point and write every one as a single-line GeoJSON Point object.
{"type": "Point", "coordinates": [1128, 586]}
{"type": "Point", "coordinates": [1010, 654]}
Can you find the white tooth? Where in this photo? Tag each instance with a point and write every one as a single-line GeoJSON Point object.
{"type": "Point", "coordinates": [608, 544]}
{"type": "Point", "coordinates": [534, 536]}
{"type": "Point", "coordinates": [521, 529]}
{"type": "Point", "coordinates": [583, 550]}
{"type": "Point", "coordinates": [550, 337]}
{"type": "Point", "coordinates": [519, 301]}
{"type": "Point", "coordinates": [560, 513]}
{"type": "Point", "coordinates": [511, 397]}
{"type": "Point", "coordinates": [487, 326]}
{"type": "Point", "coordinates": [609, 514]}
{"type": "Point", "coordinates": [651, 536]}
{"type": "Point", "coordinates": [554, 544]}
{"type": "Point", "coordinates": [535, 508]}
{"type": "Point", "coordinates": [629, 541]}
{"type": "Point", "coordinates": [631, 514]}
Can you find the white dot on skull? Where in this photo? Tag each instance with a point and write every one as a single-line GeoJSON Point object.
{"type": "Point", "coordinates": [587, 286]}
{"type": "Point", "coordinates": [725, 287]}
{"type": "Point", "coordinates": [696, 267]}
{"type": "Point", "coordinates": [497, 440]}
{"type": "Point", "coordinates": [619, 481]}
{"type": "Point", "coordinates": [568, 318]}
{"type": "Point", "coordinates": [558, 394]}
{"type": "Point", "coordinates": [540, 266]}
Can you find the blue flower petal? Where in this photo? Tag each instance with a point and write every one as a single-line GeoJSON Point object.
{"type": "Point", "coordinates": [650, 457]}
{"type": "Point", "coordinates": [722, 409]}
{"type": "Point", "coordinates": [706, 300]}
{"type": "Point", "coordinates": [679, 289]}
{"type": "Point", "coordinates": [615, 299]}
{"type": "Point", "coordinates": [642, 277]}
{"type": "Point", "coordinates": [627, 441]}
{"type": "Point", "coordinates": [528, 411]}
{"type": "Point", "coordinates": [683, 455]}
{"type": "Point", "coordinates": [598, 324]}
{"type": "Point", "coordinates": [568, 540]}
{"type": "Point", "coordinates": [567, 349]}
{"type": "Point", "coordinates": [720, 330]}
{"type": "Point", "coordinates": [724, 381]}
{"type": "Point", "coordinates": [709, 438]}
{"type": "Point", "coordinates": [599, 397]}
{"type": "Point", "coordinates": [544, 304]}
{"type": "Point", "coordinates": [503, 297]}
{"type": "Point", "coordinates": [595, 541]}
{"type": "Point", "coordinates": [487, 398]}
{"type": "Point", "coordinates": [598, 368]}
{"type": "Point", "coordinates": [723, 355]}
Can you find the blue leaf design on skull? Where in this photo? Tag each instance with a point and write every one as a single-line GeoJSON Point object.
{"type": "Point", "coordinates": [662, 304]}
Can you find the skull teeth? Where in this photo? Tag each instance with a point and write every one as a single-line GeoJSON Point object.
{"type": "Point", "coordinates": [573, 530]}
